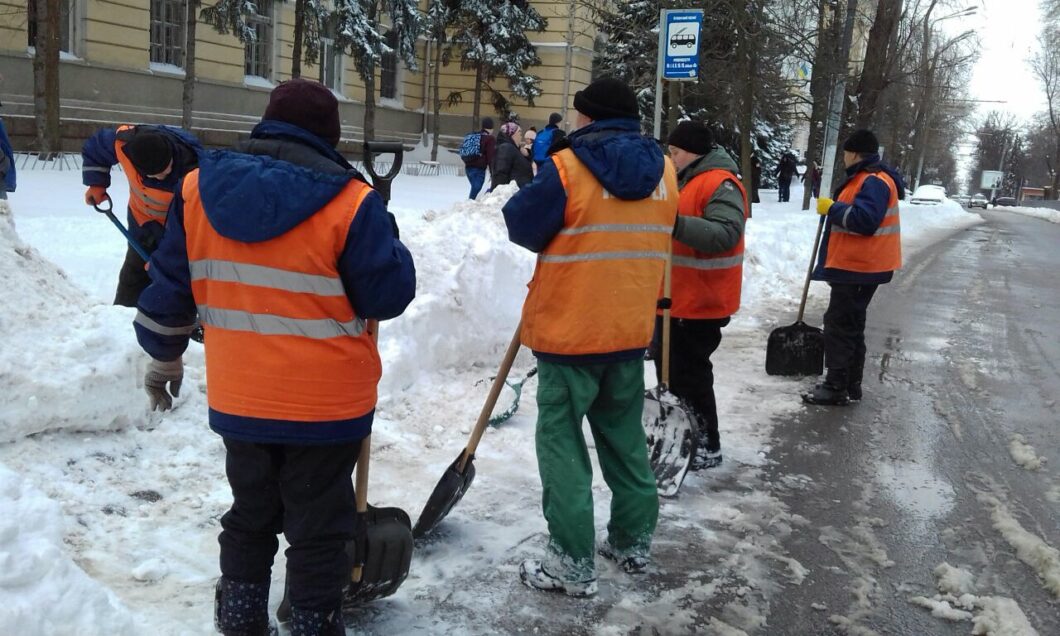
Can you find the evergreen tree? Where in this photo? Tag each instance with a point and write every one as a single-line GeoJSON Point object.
{"type": "Point", "coordinates": [230, 16]}
{"type": "Point", "coordinates": [491, 37]}
{"type": "Point", "coordinates": [440, 16]}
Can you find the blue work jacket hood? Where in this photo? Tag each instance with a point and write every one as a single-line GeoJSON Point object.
{"type": "Point", "coordinates": [628, 164]}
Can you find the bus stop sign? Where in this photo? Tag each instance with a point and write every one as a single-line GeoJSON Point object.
{"type": "Point", "coordinates": [680, 44]}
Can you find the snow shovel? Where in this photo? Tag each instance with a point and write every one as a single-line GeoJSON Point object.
{"type": "Point", "coordinates": [121, 228]}
{"type": "Point", "coordinates": [798, 349]}
{"type": "Point", "coordinates": [381, 182]}
{"type": "Point", "coordinates": [669, 424]}
{"type": "Point", "coordinates": [458, 477]}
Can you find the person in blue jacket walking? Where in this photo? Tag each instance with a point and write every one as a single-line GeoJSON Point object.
{"type": "Point", "coordinates": [7, 164]}
{"type": "Point", "coordinates": [544, 140]}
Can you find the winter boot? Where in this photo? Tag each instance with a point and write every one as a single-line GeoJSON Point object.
{"type": "Point", "coordinates": [316, 623]}
{"type": "Point", "coordinates": [705, 458]}
{"type": "Point", "coordinates": [831, 392]}
{"type": "Point", "coordinates": [533, 574]}
{"type": "Point", "coordinates": [242, 609]}
{"type": "Point", "coordinates": [632, 564]}
{"type": "Point", "coordinates": [857, 370]}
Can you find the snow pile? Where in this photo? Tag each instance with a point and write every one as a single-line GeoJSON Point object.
{"type": "Point", "coordinates": [38, 580]}
{"type": "Point", "coordinates": [1023, 453]}
{"type": "Point", "coordinates": [989, 615]}
{"type": "Point", "coordinates": [1030, 548]}
{"type": "Point", "coordinates": [1046, 214]}
{"type": "Point", "coordinates": [66, 363]}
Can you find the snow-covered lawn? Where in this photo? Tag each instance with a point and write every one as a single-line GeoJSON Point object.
{"type": "Point", "coordinates": [109, 513]}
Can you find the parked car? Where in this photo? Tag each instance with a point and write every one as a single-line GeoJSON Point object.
{"type": "Point", "coordinates": [977, 201]}
{"type": "Point", "coordinates": [928, 195]}
{"type": "Point", "coordinates": [1005, 201]}
{"type": "Point", "coordinates": [963, 199]}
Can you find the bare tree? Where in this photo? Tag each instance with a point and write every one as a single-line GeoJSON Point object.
{"type": "Point", "coordinates": [190, 37]}
{"type": "Point", "coordinates": [1046, 67]}
{"type": "Point", "coordinates": [46, 76]}
{"type": "Point", "coordinates": [883, 44]}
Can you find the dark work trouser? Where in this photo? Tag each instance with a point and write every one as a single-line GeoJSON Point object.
{"type": "Point", "coordinates": [692, 342]}
{"type": "Point", "coordinates": [844, 328]}
{"type": "Point", "coordinates": [132, 279]}
{"type": "Point", "coordinates": [306, 492]}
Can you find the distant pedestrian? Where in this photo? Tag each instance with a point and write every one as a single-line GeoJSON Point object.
{"type": "Point", "coordinates": [860, 250]}
{"type": "Point", "coordinates": [812, 177]}
{"type": "Point", "coordinates": [786, 170]}
{"type": "Point", "coordinates": [600, 215]}
{"type": "Point", "coordinates": [478, 151]}
{"type": "Point", "coordinates": [756, 178]}
{"type": "Point", "coordinates": [552, 134]}
{"type": "Point", "coordinates": [7, 164]}
{"type": "Point", "coordinates": [510, 164]}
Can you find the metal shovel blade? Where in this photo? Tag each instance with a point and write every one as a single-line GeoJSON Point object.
{"type": "Point", "coordinates": [449, 491]}
{"type": "Point", "coordinates": [385, 559]}
{"type": "Point", "coordinates": [797, 349]}
{"type": "Point", "coordinates": [671, 431]}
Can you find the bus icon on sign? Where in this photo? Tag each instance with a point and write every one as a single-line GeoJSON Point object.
{"type": "Point", "coordinates": [682, 38]}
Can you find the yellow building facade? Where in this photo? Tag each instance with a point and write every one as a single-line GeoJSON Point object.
{"type": "Point", "coordinates": [123, 60]}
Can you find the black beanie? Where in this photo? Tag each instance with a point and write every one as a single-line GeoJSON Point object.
{"type": "Point", "coordinates": [149, 151]}
{"type": "Point", "coordinates": [692, 136]}
{"type": "Point", "coordinates": [554, 119]}
{"type": "Point", "coordinates": [607, 98]}
{"type": "Point", "coordinates": [307, 104]}
{"type": "Point", "coordinates": [862, 142]}
{"type": "Point", "coordinates": [487, 123]}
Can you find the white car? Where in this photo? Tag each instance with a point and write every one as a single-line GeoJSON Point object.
{"type": "Point", "coordinates": [928, 195]}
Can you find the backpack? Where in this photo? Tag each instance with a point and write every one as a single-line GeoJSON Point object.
{"type": "Point", "coordinates": [542, 143]}
{"type": "Point", "coordinates": [471, 147]}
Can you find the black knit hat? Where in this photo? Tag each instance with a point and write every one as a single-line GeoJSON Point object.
{"type": "Point", "coordinates": [487, 123]}
{"type": "Point", "coordinates": [692, 136]}
{"type": "Point", "coordinates": [307, 104]}
{"type": "Point", "coordinates": [554, 119]}
{"type": "Point", "coordinates": [149, 151]}
{"type": "Point", "coordinates": [607, 98]}
{"type": "Point", "coordinates": [862, 142]}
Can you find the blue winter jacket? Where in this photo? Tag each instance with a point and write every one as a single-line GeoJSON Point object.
{"type": "Point", "coordinates": [543, 141]}
{"type": "Point", "coordinates": [865, 216]}
{"type": "Point", "coordinates": [5, 145]}
{"type": "Point", "coordinates": [281, 177]}
{"type": "Point", "coordinates": [99, 155]}
{"type": "Point", "coordinates": [628, 165]}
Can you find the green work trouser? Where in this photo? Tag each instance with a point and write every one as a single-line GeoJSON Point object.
{"type": "Point", "coordinates": [612, 397]}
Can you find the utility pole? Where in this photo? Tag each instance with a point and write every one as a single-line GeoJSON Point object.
{"type": "Point", "coordinates": [1001, 166]}
{"type": "Point", "coordinates": [837, 95]}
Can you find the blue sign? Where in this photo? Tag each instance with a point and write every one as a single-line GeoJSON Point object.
{"type": "Point", "coordinates": [681, 44]}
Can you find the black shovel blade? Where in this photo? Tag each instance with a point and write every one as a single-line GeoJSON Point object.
{"type": "Point", "coordinates": [671, 430]}
{"type": "Point", "coordinates": [449, 491]}
{"type": "Point", "coordinates": [387, 555]}
{"type": "Point", "coordinates": [797, 349]}
{"type": "Point", "coordinates": [387, 541]}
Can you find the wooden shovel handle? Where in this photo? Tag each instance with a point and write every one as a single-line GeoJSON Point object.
{"type": "Point", "coordinates": [666, 316]}
{"type": "Point", "coordinates": [491, 399]}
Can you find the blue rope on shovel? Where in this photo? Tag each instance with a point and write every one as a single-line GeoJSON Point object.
{"type": "Point", "coordinates": [121, 228]}
{"type": "Point", "coordinates": [510, 411]}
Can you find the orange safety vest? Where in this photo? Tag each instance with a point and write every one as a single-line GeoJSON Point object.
{"type": "Point", "coordinates": [706, 285]}
{"type": "Point", "coordinates": [283, 340]}
{"type": "Point", "coordinates": [853, 252]}
{"type": "Point", "coordinates": [147, 203]}
{"type": "Point", "coordinates": [596, 284]}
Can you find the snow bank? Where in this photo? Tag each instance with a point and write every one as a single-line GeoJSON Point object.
{"type": "Point", "coordinates": [989, 615]}
{"type": "Point", "coordinates": [954, 581]}
{"type": "Point", "coordinates": [1023, 453]}
{"type": "Point", "coordinates": [1046, 214]}
{"type": "Point", "coordinates": [42, 591]}
{"type": "Point", "coordinates": [1030, 548]}
{"type": "Point", "coordinates": [66, 363]}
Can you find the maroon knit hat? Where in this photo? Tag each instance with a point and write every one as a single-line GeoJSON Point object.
{"type": "Point", "coordinates": [306, 104]}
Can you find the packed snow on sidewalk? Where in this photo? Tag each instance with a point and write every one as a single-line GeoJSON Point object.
{"type": "Point", "coordinates": [110, 513]}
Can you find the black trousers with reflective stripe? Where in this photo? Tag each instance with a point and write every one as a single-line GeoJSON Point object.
{"type": "Point", "coordinates": [306, 492]}
{"type": "Point", "coordinates": [692, 342]}
{"type": "Point", "coordinates": [844, 327]}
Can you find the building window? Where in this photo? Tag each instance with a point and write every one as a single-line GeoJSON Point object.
{"type": "Point", "coordinates": [167, 31]}
{"type": "Point", "coordinates": [388, 75]}
{"type": "Point", "coordinates": [259, 51]}
{"type": "Point", "coordinates": [330, 65]}
{"type": "Point", "coordinates": [67, 24]}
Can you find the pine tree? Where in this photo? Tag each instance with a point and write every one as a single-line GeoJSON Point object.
{"type": "Point", "coordinates": [230, 16]}
{"type": "Point", "coordinates": [491, 37]}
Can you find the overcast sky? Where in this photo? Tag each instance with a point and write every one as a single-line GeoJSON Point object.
{"type": "Point", "coordinates": [1008, 30]}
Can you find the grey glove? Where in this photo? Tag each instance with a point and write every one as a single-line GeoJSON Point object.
{"type": "Point", "coordinates": [158, 374]}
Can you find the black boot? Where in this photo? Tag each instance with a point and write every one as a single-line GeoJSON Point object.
{"type": "Point", "coordinates": [242, 609]}
{"type": "Point", "coordinates": [854, 385]}
{"type": "Point", "coordinates": [831, 392]}
{"type": "Point", "coordinates": [317, 623]}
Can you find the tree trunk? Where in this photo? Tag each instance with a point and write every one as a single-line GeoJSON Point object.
{"type": "Point", "coordinates": [476, 113]}
{"type": "Point", "coordinates": [369, 106]}
{"type": "Point", "coordinates": [188, 96]}
{"type": "Point", "coordinates": [820, 85]}
{"type": "Point", "coordinates": [748, 47]}
{"type": "Point", "coordinates": [299, 31]}
{"type": "Point", "coordinates": [46, 78]}
{"type": "Point", "coordinates": [437, 105]}
{"type": "Point", "coordinates": [1056, 172]}
{"type": "Point", "coordinates": [874, 78]}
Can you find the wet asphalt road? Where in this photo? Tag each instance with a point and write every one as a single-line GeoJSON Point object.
{"type": "Point", "coordinates": [964, 353]}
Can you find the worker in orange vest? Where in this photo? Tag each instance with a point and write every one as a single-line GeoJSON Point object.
{"type": "Point", "coordinates": [599, 214]}
{"type": "Point", "coordinates": [707, 275]}
{"type": "Point", "coordinates": [155, 159]}
{"type": "Point", "coordinates": [860, 250]}
{"type": "Point", "coordinates": [284, 252]}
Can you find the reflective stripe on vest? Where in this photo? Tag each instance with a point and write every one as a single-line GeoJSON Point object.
{"type": "Point", "coordinates": [594, 288]}
{"type": "Point", "coordinates": [853, 252]}
{"type": "Point", "coordinates": [146, 203]}
{"type": "Point", "coordinates": [283, 340]}
{"type": "Point", "coordinates": [146, 322]}
{"type": "Point", "coordinates": [706, 286]}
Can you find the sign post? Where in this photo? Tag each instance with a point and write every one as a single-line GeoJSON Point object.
{"type": "Point", "coordinates": [679, 31]}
